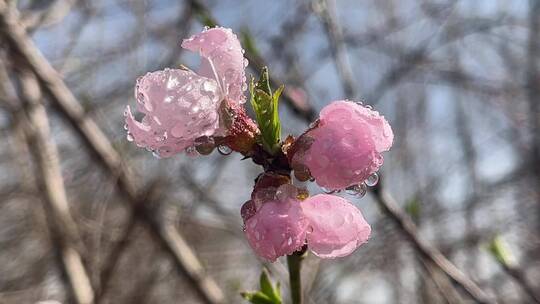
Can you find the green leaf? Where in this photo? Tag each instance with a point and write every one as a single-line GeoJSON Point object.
{"type": "Point", "coordinates": [268, 294]}
{"type": "Point", "coordinates": [268, 289]}
{"type": "Point", "coordinates": [257, 298]}
{"type": "Point", "coordinates": [265, 106]}
{"type": "Point", "coordinates": [500, 251]}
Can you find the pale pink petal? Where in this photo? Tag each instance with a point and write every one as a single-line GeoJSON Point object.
{"type": "Point", "coordinates": [223, 60]}
{"type": "Point", "coordinates": [345, 147]}
{"type": "Point", "coordinates": [380, 130]}
{"type": "Point", "coordinates": [178, 106]}
{"type": "Point", "coordinates": [336, 227]}
{"type": "Point", "coordinates": [278, 228]}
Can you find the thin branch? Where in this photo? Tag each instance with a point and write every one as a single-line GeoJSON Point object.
{"type": "Point", "coordinates": [63, 228]}
{"type": "Point", "coordinates": [428, 251]}
{"type": "Point", "coordinates": [326, 9]}
{"type": "Point", "coordinates": [97, 142]}
{"type": "Point", "coordinates": [519, 276]}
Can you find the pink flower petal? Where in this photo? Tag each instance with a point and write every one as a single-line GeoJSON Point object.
{"type": "Point", "coordinates": [223, 60]}
{"type": "Point", "coordinates": [346, 145]}
{"type": "Point", "coordinates": [278, 228]}
{"type": "Point", "coordinates": [178, 106]}
{"type": "Point", "coordinates": [379, 129]}
{"type": "Point", "coordinates": [336, 227]}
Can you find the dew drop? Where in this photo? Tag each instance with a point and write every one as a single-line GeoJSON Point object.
{"type": "Point", "coordinates": [246, 62]}
{"type": "Point", "coordinates": [205, 145]}
{"type": "Point", "coordinates": [125, 127]}
{"type": "Point", "coordinates": [191, 151]}
{"type": "Point", "coordinates": [224, 150]}
{"type": "Point", "coordinates": [129, 137]}
{"type": "Point", "coordinates": [289, 241]}
{"type": "Point", "coordinates": [372, 180]}
{"type": "Point", "coordinates": [156, 154]}
{"type": "Point", "coordinates": [328, 191]}
{"type": "Point", "coordinates": [172, 82]}
{"type": "Point", "coordinates": [209, 86]}
{"type": "Point", "coordinates": [357, 190]}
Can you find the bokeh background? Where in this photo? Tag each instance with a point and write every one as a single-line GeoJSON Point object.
{"type": "Point", "coordinates": [457, 79]}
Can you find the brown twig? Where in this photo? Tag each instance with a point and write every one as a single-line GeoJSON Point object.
{"type": "Point", "coordinates": [97, 142]}
{"type": "Point", "coordinates": [326, 9]}
{"type": "Point", "coordinates": [61, 224]}
{"type": "Point", "coordinates": [428, 251]}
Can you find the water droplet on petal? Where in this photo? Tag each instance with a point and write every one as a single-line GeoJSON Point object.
{"type": "Point", "coordinates": [205, 145]}
{"type": "Point", "coordinates": [129, 137]}
{"type": "Point", "coordinates": [156, 154]}
{"type": "Point", "coordinates": [357, 190]}
{"type": "Point", "coordinates": [224, 150]}
{"type": "Point", "coordinates": [328, 191]}
{"type": "Point", "coordinates": [191, 151]}
{"type": "Point", "coordinates": [208, 86]}
{"type": "Point", "coordinates": [372, 180]}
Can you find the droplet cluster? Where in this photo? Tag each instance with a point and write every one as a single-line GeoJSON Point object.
{"type": "Point", "coordinates": [330, 226]}
{"type": "Point", "coordinates": [178, 107]}
{"type": "Point", "coordinates": [345, 147]}
{"type": "Point", "coordinates": [223, 60]}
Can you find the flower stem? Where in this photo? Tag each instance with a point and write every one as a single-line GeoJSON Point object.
{"type": "Point", "coordinates": [294, 261]}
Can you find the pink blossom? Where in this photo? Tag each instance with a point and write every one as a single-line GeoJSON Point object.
{"type": "Point", "coordinates": [345, 146]}
{"type": "Point", "coordinates": [329, 225]}
{"type": "Point", "coordinates": [336, 227]}
{"type": "Point", "coordinates": [278, 228]}
{"type": "Point", "coordinates": [179, 105]}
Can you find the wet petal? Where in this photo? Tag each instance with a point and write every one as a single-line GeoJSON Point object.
{"type": "Point", "coordinates": [178, 106]}
{"type": "Point", "coordinates": [345, 147]}
{"type": "Point", "coordinates": [277, 229]}
{"type": "Point", "coordinates": [336, 227]}
{"type": "Point", "coordinates": [223, 60]}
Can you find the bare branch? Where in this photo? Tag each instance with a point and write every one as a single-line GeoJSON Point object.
{"type": "Point", "coordinates": [96, 141]}
{"type": "Point", "coordinates": [407, 226]}
{"type": "Point", "coordinates": [62, 225]}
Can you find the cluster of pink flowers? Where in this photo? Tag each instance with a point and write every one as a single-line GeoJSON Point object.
{"type": "Point", "coordinates": [191, 111]}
